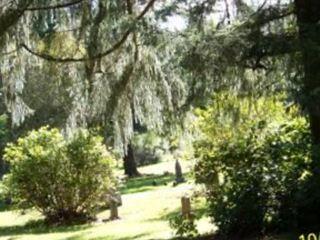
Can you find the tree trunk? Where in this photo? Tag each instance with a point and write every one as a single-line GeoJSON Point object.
{"type": "Point", "coordinates": [308, 17]}
{"type": "Point", "coordinates": [129, 163]}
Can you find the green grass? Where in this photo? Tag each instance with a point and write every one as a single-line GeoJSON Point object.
{"type": "Point", "coordinates": [144, 215]}
{"type": "Point", "coordinates": [146, 183]}
{"type": "Point", "coordinates": [148, 203]}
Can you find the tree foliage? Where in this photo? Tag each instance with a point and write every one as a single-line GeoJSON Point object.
{"type": "Point", "coordinates": [111, 54]}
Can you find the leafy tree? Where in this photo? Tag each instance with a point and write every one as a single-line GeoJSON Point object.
{"type": "Point", "coordinates": [109, 51]}
{"type": "Point", "coordinates": [254, 47]}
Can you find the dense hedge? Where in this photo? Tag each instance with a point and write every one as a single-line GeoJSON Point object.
{"type": "Point", "coordinates": [257, 177]}
{"type": "Point", "coordinates": [64, 179]}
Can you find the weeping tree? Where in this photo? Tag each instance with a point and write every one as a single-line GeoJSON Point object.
{"type": "Point", "coordinates": [111, 54]}
{"type": "Point", "coordinates": [117, 56]}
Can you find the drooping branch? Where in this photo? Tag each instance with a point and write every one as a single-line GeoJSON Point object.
{"type": "Point", "coordinates": [120, 87]}
{"type": "Point", "coordinates": [265, 45]}
{"type": "Point", "coordinates": [113, 48]}
{"type": "Point", "coordinates": [270, 45]}
{"type": "Point", "coordinates": [57, 6]}
{"type": "Point", "coordinates": [266, 15]}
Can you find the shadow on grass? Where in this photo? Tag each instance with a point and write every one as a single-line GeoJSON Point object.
{"type": "Point", "coordinates": [284, 236]}
{"type": "Point", "coordinates": [84, 237]}
{"type": "Point", "coordinates": [146, 183]}
{"type": "Point", "coordinates": [38, 227]}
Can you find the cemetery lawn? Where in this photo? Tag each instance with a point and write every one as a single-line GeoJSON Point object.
{"type": "Point", "coordinates": [148, 203]}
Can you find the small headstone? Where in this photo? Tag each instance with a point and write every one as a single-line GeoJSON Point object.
{"type": "Point", "coordinates": [186, 208]}
{"type": "Point", "coordinates": [114, 201]}
{"type": "Point", "coordinates": [178, 172]}
{"type": "Point", "coordinates": [114, 210]}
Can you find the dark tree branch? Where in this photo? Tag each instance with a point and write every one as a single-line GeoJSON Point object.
{"type": "Point", "coordinates": [273, 45]}
{"type": "Point", "coordinates": [12, 15]}
{"type": "Point", "coordinates": [57, 6]}
{"type": "Point", "coordinates": [113, 48]}
{"type": "Point", "coordinates": [264, 16]}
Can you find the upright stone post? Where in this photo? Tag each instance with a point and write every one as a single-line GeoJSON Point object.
{"type": "Point", "coordinates": [186, 207]}
{"type": "Point", "coordinates": [178, 172]}
{"type": "Point", "coordinates": [114, 201]}
{"type": "Point", "coordinates": [114, 210]}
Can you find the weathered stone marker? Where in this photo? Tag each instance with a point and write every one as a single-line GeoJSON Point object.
{"type": "Point", "coordinates": [186, 207]}
{"type": "Point", "coordinates": [114, 200]}
{"type": "Point", "coordinates": [178, 171]}
{"type": "Point", "coordinates": [114, 210]}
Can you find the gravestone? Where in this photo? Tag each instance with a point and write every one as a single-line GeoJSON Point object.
{"type": "Point", "coordinates": [114, 201]}
{"type": "Point", "coordinates": [114, 210]}
{"type": "Point", "coordinates": [186, 207]}
{"type": "Point", "coordinates": [178, 172]}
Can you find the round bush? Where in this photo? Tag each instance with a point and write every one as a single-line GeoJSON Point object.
{"type": "Point", "coordinates": [64, 179]}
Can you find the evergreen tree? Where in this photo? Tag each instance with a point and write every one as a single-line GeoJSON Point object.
{"type": "Point", "coordinates": [113, 52]}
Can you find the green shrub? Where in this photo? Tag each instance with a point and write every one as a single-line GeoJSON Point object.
{"type": "Point", "coordinates": [183, 227]}
{"type": "Point", "coordinates": [254, 174]}
{"type": "Point", "coordinates": [64, 179]}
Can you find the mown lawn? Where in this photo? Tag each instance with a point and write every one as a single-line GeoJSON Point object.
{"type": "Point", "coordinates": [148, 203]}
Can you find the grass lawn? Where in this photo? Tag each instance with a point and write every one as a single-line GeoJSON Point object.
{"type": "Point", "coordinates": [148, 203]}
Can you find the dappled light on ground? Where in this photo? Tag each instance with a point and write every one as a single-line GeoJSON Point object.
{"type": "Point", "coordinates": [144, 214]}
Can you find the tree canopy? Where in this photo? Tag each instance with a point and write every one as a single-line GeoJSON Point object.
{"type": "Point", "coordinates": [112, 60]}
{"type": "Point", "coordinates": [124, 67]}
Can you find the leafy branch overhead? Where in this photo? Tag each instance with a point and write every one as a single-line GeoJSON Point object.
{"type": "Point", "coordinates": [112, 49]}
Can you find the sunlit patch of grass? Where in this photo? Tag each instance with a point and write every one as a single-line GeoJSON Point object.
{"type": "Point", "coordinates": [144, 216]}
{"type": "Point", "coordinates": [147, 201]}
